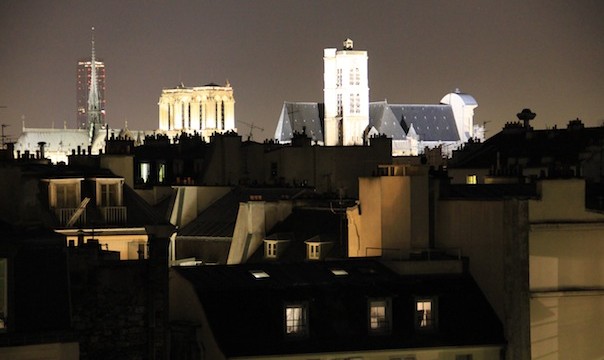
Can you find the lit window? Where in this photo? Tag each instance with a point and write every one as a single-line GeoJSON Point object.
{"type": "Point", "coordinates": [161, 172]}
{"type": "Point", "coordinates": [3, 293]}
{"type": "Point", "coordinates": [296, 320]}
{"type": "Point", "coordinates": [425, 310]}
{"type": "Point", "coordinates": [270, 249]}
{"type": "Point", "coordinates": [145, 172]}
{"type": "Point", "coordinates": [471, 179]}
{"type": "Point", "coordinates": [314, 251]}
{"type": "Point", "coordinates": [379, 316]}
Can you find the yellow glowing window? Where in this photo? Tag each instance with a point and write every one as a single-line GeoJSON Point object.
{"type": "Point", "coordinates": [471, 179]}
{"type": "Point", "coordinates": [379, 321]}
{"type": "Point", "coordinates": [425, 314]}
{"type": "Point", "coordinates": [296, 319]}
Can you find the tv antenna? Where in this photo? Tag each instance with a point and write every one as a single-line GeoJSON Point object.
{"type": "Point", "coordinates": [3, 126]}
{"type": "Point", "coordinates": [250, 136]}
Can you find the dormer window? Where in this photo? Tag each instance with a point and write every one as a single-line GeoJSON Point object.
{"type": "Point", "coordinates": [270, 249]}
{"type": "Point", "coordinates": [64, 196]}
{"type": "Point", "coordinates": [109, 191]}
{"type": "Point", "coordinates": [109, 199]}
{"type": "Point", "coordinates": [317, 249]}
{"type": "Point", "coordinates": [64, 193]}
{"type": "Point", "coordinates": [274, 246]}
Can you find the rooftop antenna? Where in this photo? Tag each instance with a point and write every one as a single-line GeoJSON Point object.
{"type": "Point", "coordinates": [3, 126]}
{"type": "Point", "coordinates": [252, 127]}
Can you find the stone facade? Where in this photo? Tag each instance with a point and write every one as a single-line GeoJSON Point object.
{"type": "Point", "coordinates": [205, 109]}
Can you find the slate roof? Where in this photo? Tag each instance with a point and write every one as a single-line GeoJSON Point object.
{"type": "Point", "coordinates": [219, 219]}
{"type": "Point", "coordinates": [385, 121]}
{"type": "Point", "coordinates": [303, 224]}
{"type": "Point", "coordinates": [301, 117]}
{"type": "Point", "coordinates": [431, 122]}
{"type": "Point", "coordinates": [246, 315]}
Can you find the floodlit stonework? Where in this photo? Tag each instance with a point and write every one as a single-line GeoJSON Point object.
{"type": "Point", "coordinates": [204, 109]}
{"type": "Point", "coordinates": [346, 95]}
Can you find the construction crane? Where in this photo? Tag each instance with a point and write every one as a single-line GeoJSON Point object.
{"type": "Point", "coordinates": [252, 127]}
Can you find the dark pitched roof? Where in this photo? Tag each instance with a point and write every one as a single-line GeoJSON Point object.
{"type": "Point", "coordinates": [303, 224]}
{"type": "Point", "coordinates": [298, 117]}
{"type": "Point", "coordinates": [385, 122]}
{"type": "Point", "coordinates": [246, 316]}
{"type": "Point", "coordinates": [219, 219]}
{"type": "Point", "coordinates": [431, 122]}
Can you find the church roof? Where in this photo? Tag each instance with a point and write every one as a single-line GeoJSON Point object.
{"type": "Point", "coordinates": [431, 122]}
{"type": "Point", "coordinates": [300, 117]}
{"type": "Point", "coordinates": [385, 121]}
{"type": "Point", "coordinates": [55, 139]}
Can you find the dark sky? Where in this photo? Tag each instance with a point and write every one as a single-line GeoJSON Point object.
{"type": "Point", "coordinates": [547, 55]}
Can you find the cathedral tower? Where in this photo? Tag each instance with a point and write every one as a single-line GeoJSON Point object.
{"type": "Point", "coordinates": [346, 95]}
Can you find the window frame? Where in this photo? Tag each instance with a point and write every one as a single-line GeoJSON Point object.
{"type": "Point", "coordinates": [300, 326]}
{"type": "Point", "coordinates": [270, 249]}
{"type": "Point", "coordinates": [385, 326]}
{"type": "Point", "coordinates": [104, 195]}
{"type": "Point", "coordinates": [431, 319]}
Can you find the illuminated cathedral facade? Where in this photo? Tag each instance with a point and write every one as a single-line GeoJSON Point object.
{"type": "Point", "coordinates": [204, 110]}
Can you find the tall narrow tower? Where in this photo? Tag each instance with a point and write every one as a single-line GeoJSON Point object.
{"type": "Point", "coordinates": [83, 83]}
{"type": "Point", "coordinates": [94, 109]}
{"type": "Point", "coordinates": [346, 95]}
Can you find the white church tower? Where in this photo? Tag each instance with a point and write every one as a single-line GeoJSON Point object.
{"type": "Point", "coordinates": [346, 95]}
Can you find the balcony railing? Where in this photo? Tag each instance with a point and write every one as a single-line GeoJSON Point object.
{"type": "Point", "coordinates": [64, 214]}
{"type": "Point", "coordinates": [115, 215]}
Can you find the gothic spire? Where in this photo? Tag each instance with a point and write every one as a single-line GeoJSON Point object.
{"type": "Point", "coordinates": [94, 108]}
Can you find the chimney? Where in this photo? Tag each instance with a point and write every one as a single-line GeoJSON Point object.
{"type": "Point", "coordinates": [41, 144]}
{"type": "Point", "coordinates": [526, 115]}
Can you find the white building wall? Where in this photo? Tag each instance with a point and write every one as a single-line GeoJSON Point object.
{"type": "Point", "coordinates": [345, 78]}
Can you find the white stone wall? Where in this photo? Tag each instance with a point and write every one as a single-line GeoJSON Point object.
{"type": "Point", "coordinates": [346, 96]}
{"type": "Point", "coordinates": [204, 109]}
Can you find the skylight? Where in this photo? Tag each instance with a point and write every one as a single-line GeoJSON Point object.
{"type": "Point", "coordinates": [259, 274]}
{"type": "Point", "coordinates": [339, 272]}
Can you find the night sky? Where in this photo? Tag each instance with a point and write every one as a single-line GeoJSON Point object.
{"type": "Point", "coordinates": [546, 55]}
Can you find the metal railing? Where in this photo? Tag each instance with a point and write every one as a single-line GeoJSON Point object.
{"type": "Point", "coordinates": [64, 214]}
{"type": "Point", "coordinates": [115, 215]}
